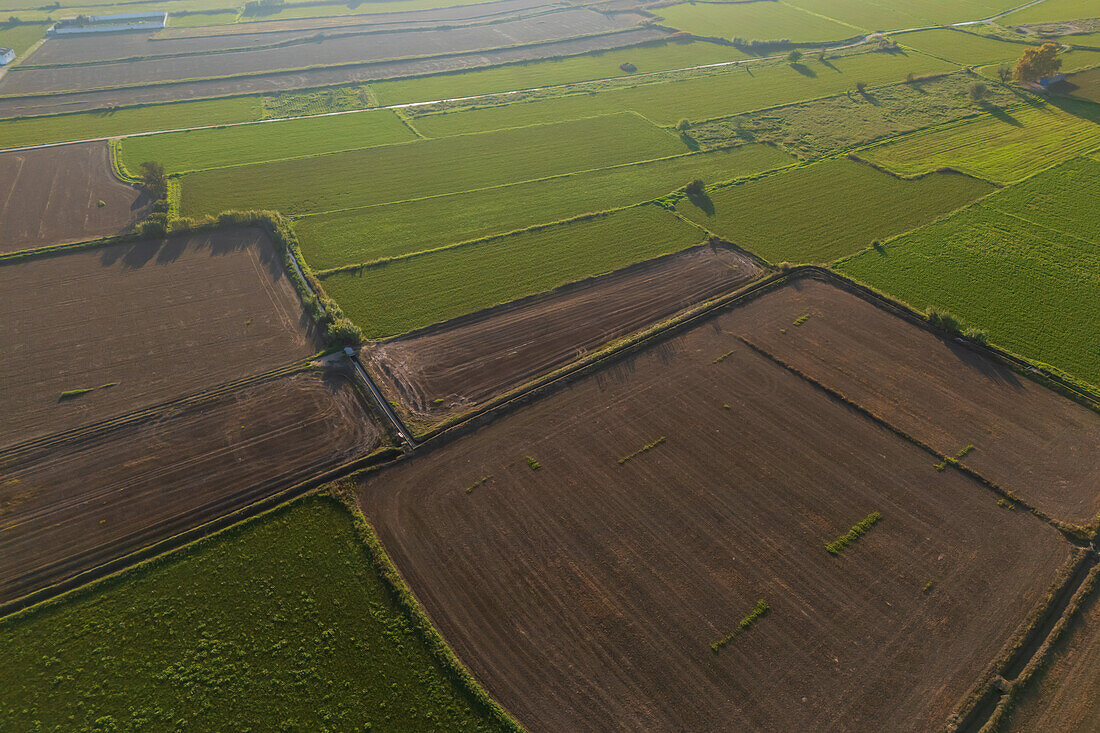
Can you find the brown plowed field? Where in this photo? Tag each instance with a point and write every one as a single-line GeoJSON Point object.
{"type": "Point", "coordinates": [467, 360]}
{"type": "Point", "coordinates": [163, 319]}
{"type": "Point", "coordinates": [586, 594]}
{"type": "Point", "coordinates": [1066, 695]}
{"type": "Point", "coordinates": [75, 506]}
{"type": "Point", "coordinates": [330, 50]}
{"type": "Point", "coordinates": [308, 78]}
{"type": "Point", "coordinates": [1027, 439]}
{"type": "Point", "coordinates": [52, 195]}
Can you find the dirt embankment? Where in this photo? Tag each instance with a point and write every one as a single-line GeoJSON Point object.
{"type": "Point", "coordinates": [451, 367]}
{"type": "Point", "coordinates": [585, 590]}
{"type": "Point", "coordinates": [72, 507]}
{"type": "Point", "coordinates": [63, 194]}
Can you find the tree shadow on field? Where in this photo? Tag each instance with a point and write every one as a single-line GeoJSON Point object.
{"type": "Point", "coordinates": [1000, 113]}
{"type": "Point", "coordinates": [981, 363]}
{"type": "Point", "coordinates": [702, 201]}
{"type": "Point", "coordinates": [804, 70]}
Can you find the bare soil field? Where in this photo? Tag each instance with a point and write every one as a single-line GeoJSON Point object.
{"type": "Point", "coordinates": [1026, 438]}
{"type": "Point", "coordinates": [1066, 695]}
{"type": "Point", "coordinates": [73, 507]}
{"type": "Point", "coordinates": [451, 367]}
{"type": "Point", "coordinates": [583, 578]}
{"type": "Point", "coordinates": [15, 106]}
{"type": "Point", "coordinates": [141, 323]}
{"type": "Point", "coordinates": [63, 194]}
{"type": "Point", "coordinates": [329, 50]}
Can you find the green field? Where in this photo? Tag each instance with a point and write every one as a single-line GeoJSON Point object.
{"type": "Point", "coordinates": [85, 125]}
{"type": "Point", "coordinates": [228, 146]}
{"type": "Point", "coordinates": [280, 624]}
{"type": "Point", "coordinates": [1088, 85]}
{"type": "Point", "coordinates": [961, 47]}
{"type": "Point", "coordinates": [739, 89]}
{"type": "Point", "coordinates": [649, 58]}
{"type": "Point", "coordinates": [201, 19]}
{"type": "Point", "coordinates": [756, 21]}
{"type": "Point", "coordinates": [426, 167]}
{"type": "Point", "coordinates": [1005, 146]}
{"type": "Point", "coordinates": [886, 15]}
{"type": "Point", "coordinates": [823, 211]}
{"type": "Point", "coordinates": [21, 37]}
{"type": "Point", "coordinates": [1054, 10]}
{"type": "Point", "coordinates": [389, 230]}
{"type": "Point", "coordinates": [1022, 265]}
{"type": "Point", "coordinates": [406, 294]}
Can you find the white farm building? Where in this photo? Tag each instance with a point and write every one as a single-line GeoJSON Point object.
{"type": "Point", "coordinates": [7, 55]}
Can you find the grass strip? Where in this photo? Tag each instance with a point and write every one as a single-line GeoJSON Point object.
{"type": "Point", "coordinates": [953, 460]}
{"type": "Point", "coordinates": [837, 546]}
{"type": "Point", "coordinates": [643, 449]}
{"type": "Point", "coordinates": [758, 611]}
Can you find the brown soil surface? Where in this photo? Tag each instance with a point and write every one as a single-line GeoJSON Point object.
{"type": "Point", "coordinates": [163, 319]}
{"type": "Point", "coordinates": [469, 359]}
{"type": "Point", "coordinates": [52, 195]}
{"type": "Point", "coordinates": [73, 507]}
{"type": "Point", "coordinates": [1066, 695]}
{"type": "Point", "coordinates": [1028, 439]}
{"type": "Point", "coordinates": [586, 594]}
{"type": "Point", "coordinates": [568, 23]}
{"type": "Point", "coordinates": [307, 78]}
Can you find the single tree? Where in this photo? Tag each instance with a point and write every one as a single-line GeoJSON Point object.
{"type": "Point", "coordinates": [1004, 73]}
{"type": "Point", "coordinates": [794, 56]}
{"type": "Point", "coordinates": [154, 180]}
{"type": "Point", "coordinates": [977, 91]}
{"type": "Point", "coordinates": [1038, 63]}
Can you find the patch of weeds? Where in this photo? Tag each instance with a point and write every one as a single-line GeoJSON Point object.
{"type": "Point", "coordinates": [1006, 503]}
{"type": "Point", "coordinates": [836, 546]}
{"type": "Point", "coordinates": [479, 482]}
{"type": "Point", "coordinates": [643, 449]}
{"type": "Point", "coordinates": [723, 357]}
{"type": "Point", "coordinates": [928, 587]}
{"type": "Point", "coordinates": [101, 203]}
{"type": "Point", "coordinates": [533, 464]}
{"type": "Point", "coordinates": [953, 460]}
{"type": "Point", "coordinates": [726, 407]}
{"type": "Point", "coordinates": [439, 400]}
{"type": "Point", "coordinates": [802, 319]}
{"type": "Point", "coordinates": [71, 394]}
{"type": "Point", "coordinates": [758, 610]}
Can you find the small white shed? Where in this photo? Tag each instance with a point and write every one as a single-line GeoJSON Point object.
{"type": "Point", "coordinates": [7, 55]}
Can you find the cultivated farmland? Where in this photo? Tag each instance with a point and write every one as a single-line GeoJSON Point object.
{"type": "Point", "coordinates": [70, 506]}
{"type": "Point", "coordinates": [391, 230]}
{"type": "Point", "coordinates": [63, 194]}
{"type": "Point", "coordinates": [415, 291]}
{"type": "Point", "coordinates": [819, 212]}
{"type": "Point", "coordinates": [883, 15]}
{"type": "Point", "coordinates": [755, 21]}
{"type": "Point", "coordinates": [140, 323]}
{"type": "Point", "coordinates": [250, 612]}
{"type": "Point", "coordinates": [1032, 287]}
{"type": "Point", "coordinates": [427, 167]}
{"type": "Point", "coordinates": [625, 574]}
{"type": "Point", "coordinates": [460, 363]}
{"type": "Point", "coordinates": [961, 47]}
{"type": "Point", "coordinates": [1005, 146]}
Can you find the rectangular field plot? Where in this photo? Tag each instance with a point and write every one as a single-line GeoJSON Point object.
{"type": "Point", "coordinates": [1005, 146]}
{"type": "Point", "coordinates": [252, 610]}
{"type": "Point", "coordinates": [391, 230]}
{"type": "Point", "coordinates": [70, 507]}
{"type": "Point", "coordinates": [593, 587]}
{"type": "Point", "coordinates": [63, 194]}
{"type": "Point", "coordinates": [458, 364]}
{"type": "Point", "coordinates": [885, 15]}
{"type": "Point", "coordinates": [413, 292]}
{"type": "Point", "coordinates": [141, 323]}
{"type": "Point", "coordinates": [238, 145]}
{"type": "Point", "coordinates": [741, 89]}
{"type": "Point", "coordinates": [1031, 286]}
{"type": "Point", "coordinates": [961, 47]}
{"type": "Point", "coordinates": [1054, 10]}
{"type": "Point", "coordinates": [1025, 438]}
{"type": "Point", "coordinates": [823, 211]}
{"type": "Point", "coordinates": [757, 21]}
{"type": "Point", "coordinates": [427, 167]}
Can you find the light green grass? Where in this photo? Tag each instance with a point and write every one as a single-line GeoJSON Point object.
{"type": "Point", "coordinates": [407, 294]}
{"type": "Point", "coordinates": [740, 89]}
{"type": "Point", "coordinates": [363, 235]}
{"type": "Point", "coordinates": [1088, 85]}
{"type": "Point", "coordinates": [20, 37]}
{"type": "Point", "coordinates": [963, 48]}
{"type": "Point", "coordinates": [339, 9]}
{"type": "Point", "coordinates": [1022, 265]}
{"type": "Point", "coordinates": [214, 148]}
{"type": "Point", "coordinates": [887, 15]}
{"type": "Point", "coordinates": [201, 19]}
{"type": "Point", "coordinates": [759, 21]}
{"type": "Point", "coordinates": [1054, 10]}
{"type": "Point", "coordinates": [823, 211]}
{"type": "Point", "coordinates": [85, 125]}
{"type": "Point", "coordinates": [426, 167]}
{"type": "Point", "coordinates": [1005, 147]}
{"type": "Point", "coordinates": [282, 624]}
{"type": "Point", "coordinates": [649, 58]}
